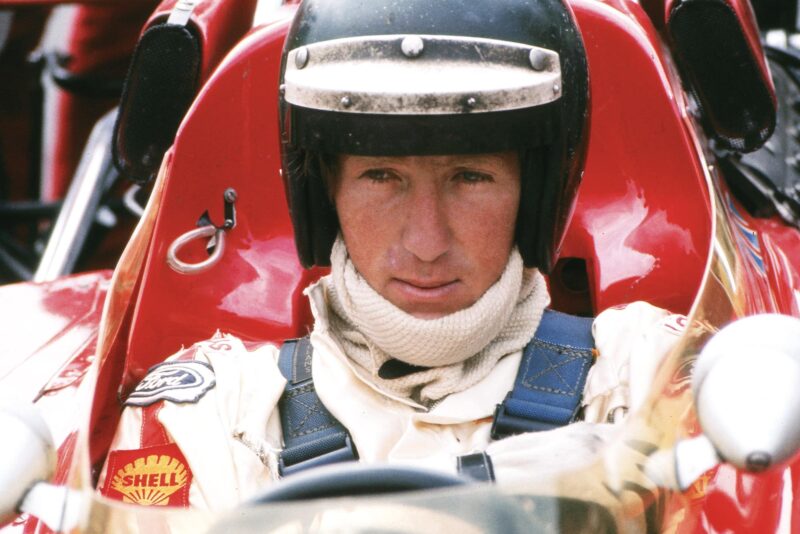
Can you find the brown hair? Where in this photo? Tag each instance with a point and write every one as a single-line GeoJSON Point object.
{"type": "Point", "coordinates": [328, 166]}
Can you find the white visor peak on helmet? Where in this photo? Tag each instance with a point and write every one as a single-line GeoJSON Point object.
{"type": "Point", "coordinates": [421, 75]}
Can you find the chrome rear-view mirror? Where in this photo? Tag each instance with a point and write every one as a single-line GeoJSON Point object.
{"type": "Point", "coordinates": [746, 386]}
{"type": "Point", "coordinates": [27, 461]}
{"type": "Point", "coordinates": [27, 453]}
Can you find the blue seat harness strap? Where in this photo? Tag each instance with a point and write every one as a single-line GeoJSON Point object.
{"type": "Point", "coordinates": [311, 435]}
{"type": "Point", "coordinates": [549, 385]}
{"type": "Point", "coordinates": [547, 394]}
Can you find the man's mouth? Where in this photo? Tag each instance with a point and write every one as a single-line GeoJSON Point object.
{"type": "Point", "coordinates": [426, 289]}
{"type": "Point", "coordinates": [427, 284]}
{"type": "Point", "coordinates": [426, 298]}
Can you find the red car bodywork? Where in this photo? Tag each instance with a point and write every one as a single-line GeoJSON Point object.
{"type": "Point", "coordinates": [644, 226]}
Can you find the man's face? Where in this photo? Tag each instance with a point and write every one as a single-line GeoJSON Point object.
{"type": "Point", "coordinates": [429, 233]}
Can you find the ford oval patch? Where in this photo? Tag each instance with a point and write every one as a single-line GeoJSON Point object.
{"type": "Point", "coordinates": [179, 381]}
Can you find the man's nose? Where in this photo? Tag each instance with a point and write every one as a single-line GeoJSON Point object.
{"type": "Point", "coordinates": [427, 231]}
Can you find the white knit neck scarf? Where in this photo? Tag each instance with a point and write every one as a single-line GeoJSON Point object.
{"type": "Point", "coordinates": [458, 349]}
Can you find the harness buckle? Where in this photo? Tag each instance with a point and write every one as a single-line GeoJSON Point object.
{"type": "Point", "coordinates": [505, 424]}
{"type": "Point", "coordinates": [289, 463]}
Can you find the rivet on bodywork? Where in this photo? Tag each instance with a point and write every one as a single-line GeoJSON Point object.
{"type": "Point", "coordinates": [556, 88]}
{"type": "Point", "coordinates": [346, 102]}
{"type": "Point", "coordinates": [538, 59]}
{"type": "Point", "coordinates": [471, 102]}
{"type": "Point", "coordinates": [412, 46]}
{"type": "Point", "coordinates": [301, 58]}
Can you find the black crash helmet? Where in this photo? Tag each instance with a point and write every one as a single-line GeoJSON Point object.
{"type": "Point", "coordinates": [422, 77]}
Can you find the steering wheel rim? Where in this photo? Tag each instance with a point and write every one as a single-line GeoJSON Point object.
{"type": "Point", "coordinates": [353, 479]}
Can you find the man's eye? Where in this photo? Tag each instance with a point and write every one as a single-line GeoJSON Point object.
{"type": "Point", "coordinates": [378, 175]}
{"type": "Point", "coordinates": [473, 177]}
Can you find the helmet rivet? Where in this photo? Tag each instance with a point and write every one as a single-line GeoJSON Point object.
{"type": "Point", "coordinates": [538, 59]}
{"type": "Point", "coordinates": [346, 102]}
{"type": "Point", "coordinates": [301, 58]}
{"type": "Point", "coordinates": [556, 88]}
{"type": "Point", "coordinates": [282, 89]}
{"type": "Point", "coordinates": [412, 46]}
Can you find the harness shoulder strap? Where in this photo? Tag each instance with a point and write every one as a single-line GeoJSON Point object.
{"type": "Point", "coordinates": [549, 385]}
{"type": "Point", "coordinates": [311, 435]}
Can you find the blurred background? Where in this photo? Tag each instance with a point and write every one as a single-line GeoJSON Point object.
{"type": "Point", "coordinates": [62, 69]}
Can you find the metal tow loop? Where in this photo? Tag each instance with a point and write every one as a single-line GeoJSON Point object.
{"type": "Point", "coordinates": [207, 229]}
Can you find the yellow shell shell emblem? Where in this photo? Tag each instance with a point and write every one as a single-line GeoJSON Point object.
{"type": "Point", "coordinates": [150, 480]}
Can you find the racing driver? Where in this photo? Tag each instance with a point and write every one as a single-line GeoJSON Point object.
{"type": "Point", "coordinates": [431, 154]}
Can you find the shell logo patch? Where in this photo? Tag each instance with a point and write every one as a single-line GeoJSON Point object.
{"type": "Point", "coordinates": [153, 476]}
{"type": "Point", "coordinates": [176, 381]}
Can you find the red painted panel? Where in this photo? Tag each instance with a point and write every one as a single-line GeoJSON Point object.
{"type": "Point", "coordinates": [727, 500]}
{"type": "Point", "coordinates": [49, 331]}
{"type": "Point", "coordinates": [229, 139]}
{"type": "Point", "coordinates": [643, 220]}
{"type": "Point", "coordinates": [769, 253]}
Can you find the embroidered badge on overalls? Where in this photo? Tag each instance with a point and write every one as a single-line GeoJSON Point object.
{"type": "Point", "coordinates": [157, 476]}
{"type": "Point", "coordinates": [178, 381]}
